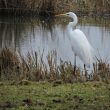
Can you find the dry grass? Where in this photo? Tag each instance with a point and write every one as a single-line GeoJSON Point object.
{"type": "Point", "coordinates": [9, 62]}
{"type": "Point", "coordinates": [101, 71]}
{"type": "Point", "coordinates": [27, 7]}
{"type": "Point", "coordinates": [16, 67]}
{"type": "Point", "coordinates": [46, 7]}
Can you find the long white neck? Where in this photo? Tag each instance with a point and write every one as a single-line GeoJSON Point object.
{"type": "Point", "coordinates": [75, 19]}
{"type": "Point", "coordinates": [72, 24]}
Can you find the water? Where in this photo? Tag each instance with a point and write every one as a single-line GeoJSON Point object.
{"type": "Point", "coordinates": [30, 35]}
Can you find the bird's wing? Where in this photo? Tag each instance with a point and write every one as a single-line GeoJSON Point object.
{"type": "Point", "coordinates": [81, 46]}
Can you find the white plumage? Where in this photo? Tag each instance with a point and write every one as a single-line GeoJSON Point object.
{"type": "Point", "coordinates": [79, 42]}
{"type": "Point", "coordinates": [81, 46]}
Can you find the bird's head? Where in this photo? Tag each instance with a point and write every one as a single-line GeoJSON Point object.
{"type": "Point", "coordinates": [69, 14]}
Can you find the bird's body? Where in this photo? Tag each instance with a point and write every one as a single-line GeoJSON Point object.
{"type": "Point", "coordinates": [79, 43]}
{"type": "Point", "coordinates": [81, 46]}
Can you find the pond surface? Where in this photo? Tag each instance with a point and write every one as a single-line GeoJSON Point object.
{"type": "Point", "coordinates": [30, 35]}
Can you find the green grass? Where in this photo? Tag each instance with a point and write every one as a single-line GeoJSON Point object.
{"type": "Point", "coordinates": [27, 95]}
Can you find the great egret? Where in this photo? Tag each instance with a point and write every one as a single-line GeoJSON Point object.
{"type": "Point", "coordinates": [79, 42]}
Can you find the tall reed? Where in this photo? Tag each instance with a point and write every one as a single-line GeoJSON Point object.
{"type": "Point", "coordinates": [13, 66]}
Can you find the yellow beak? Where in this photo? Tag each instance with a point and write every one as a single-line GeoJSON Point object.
{"type": "Point", "coordinates": [61, 15]}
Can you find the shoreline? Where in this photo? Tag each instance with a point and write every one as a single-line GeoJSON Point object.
{"type": "Point", "coordinates": [33, 13]}
{"type": "Point", "coordinates": [50, 8]}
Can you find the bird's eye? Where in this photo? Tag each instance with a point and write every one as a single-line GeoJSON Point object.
{"type": "Point", "coordinates": [67, 13]}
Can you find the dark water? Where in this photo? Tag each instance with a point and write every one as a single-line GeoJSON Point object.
{"type": "Point", "coordinates": [29, 35]}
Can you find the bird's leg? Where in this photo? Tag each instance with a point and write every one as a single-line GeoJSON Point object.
{"type": "Point", "coordinates": [74, 72]}
{"type": "Point", "coordinates": [85, 71]}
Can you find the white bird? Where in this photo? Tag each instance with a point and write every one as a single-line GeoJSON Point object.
{"type": "Point", "coordinates": [80, 44]}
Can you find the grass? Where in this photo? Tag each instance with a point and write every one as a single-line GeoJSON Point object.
{"type": "Point", "coordinates": [51, 7]}
{"type": "Point", "coordinates": [29, 84]}
{"type": "Point", "coordinates": [26, 95]}
{"type": "Point", "coordinates": [13, 66]}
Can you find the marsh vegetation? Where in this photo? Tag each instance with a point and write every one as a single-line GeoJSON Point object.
{"type": "Point", "coordinates": [51, 7]}
{"type": "Point", "coordinates": [33, 68]}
